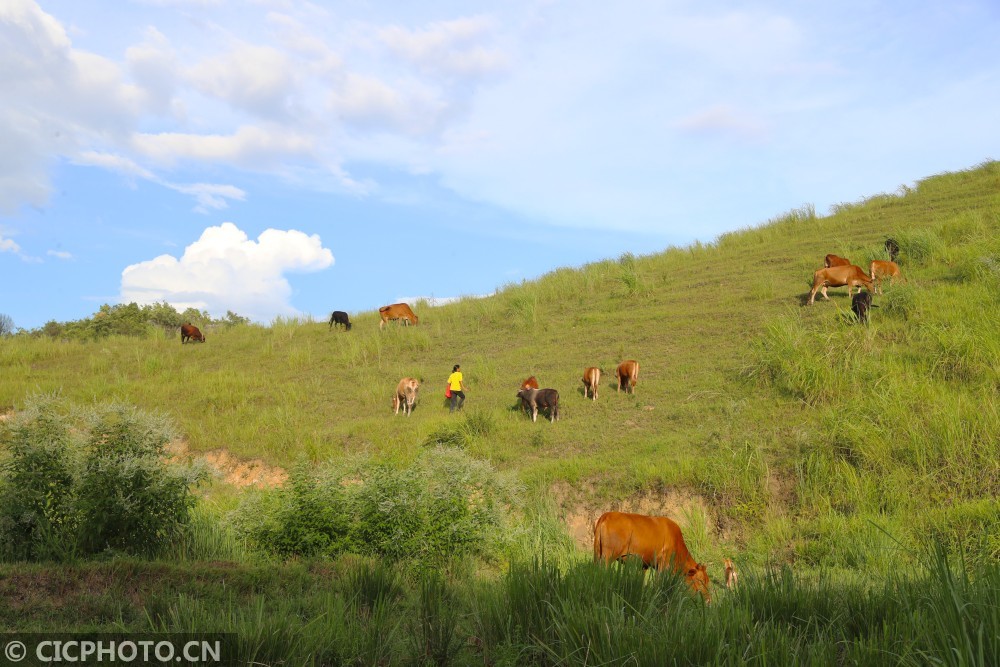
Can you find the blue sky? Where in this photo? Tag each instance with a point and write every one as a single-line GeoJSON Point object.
{"type": "Point", "coordinates": [279, 157]}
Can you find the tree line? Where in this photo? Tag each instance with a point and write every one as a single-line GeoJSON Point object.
{"type": "Point", "coordinates": [123, 319]}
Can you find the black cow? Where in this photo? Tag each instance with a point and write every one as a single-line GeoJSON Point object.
{"type": "Point", "coordinates": [533, 399]}
{"type": "Point", "coordinates": [860, 303]}
{"type": "Point", "coordinates": [340, 317]}
{"type": "Point", "coordinates": [892, 248]}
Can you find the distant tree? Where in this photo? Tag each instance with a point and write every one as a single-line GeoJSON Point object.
{"type": "Point", "coordinates": [53, 329]}
{"type": "Point", "coordinates": [163, 314]}
{"type": "Point", "coordinates": [232, 319]}
{"type": "Point", "coordinates": [195, 316]}
{"type": "Point", "coordinates": [6, 325]}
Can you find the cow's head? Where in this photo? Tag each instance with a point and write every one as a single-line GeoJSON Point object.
{"type": "Point", "coordinates": [697, 578]}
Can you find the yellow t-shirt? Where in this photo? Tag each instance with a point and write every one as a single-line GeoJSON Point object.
{"type": "Point", "coordinates": [455, 381]}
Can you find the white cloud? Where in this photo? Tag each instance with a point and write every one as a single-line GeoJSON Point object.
{"type": "Point", "coordinates": [259, 79]}
{"type": "Point", "coordinates": [450, 47]}
{"type": "Point", "coordinates": [8, 245]}
{"type": "Point", "coordinates": [722, 119]}
{"type": "Point", "coordinates": [249, 146]}
{"type": "Point", "coordinates": [210, 196]}
{"type": "Point", "coordinates": [225, 270]}
{"type": "Point", "coordinates": [59, 254]}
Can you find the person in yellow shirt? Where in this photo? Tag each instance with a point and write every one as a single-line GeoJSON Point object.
{"type": "Point", "coordinates": [457, 388]}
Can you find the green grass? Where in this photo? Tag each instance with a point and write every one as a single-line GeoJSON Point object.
{"type": "Point", "coordinates": [793, 426]}
{"type": "Point", "coordinates": [367, 612]}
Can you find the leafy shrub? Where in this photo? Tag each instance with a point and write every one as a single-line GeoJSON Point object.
{"type": "Point", "coordinates": [308, 516]}
{"type": "Point", "coordinates": [79, 482]}
{"type": "Point", "coordinates": [444, 504]}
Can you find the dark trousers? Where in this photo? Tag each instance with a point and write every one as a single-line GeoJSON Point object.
{"type": "Point", "coordinates": [455, 400]}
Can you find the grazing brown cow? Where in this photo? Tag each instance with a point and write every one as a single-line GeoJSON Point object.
{"type": "Point", "coordinates": [530, 383]}
{"type": "Point", "coordinates": [397, 311]}
{"type": "Point", "coordinates": [833, 260]}
{"type": "Point", "coordinates": [627, 375]}
{"type": "Point", "coordinates": [591, 378]}
{"type": "Point", "coordinates": [547, 399]}
{"type": "Point", "coordinates": [191, 332]}
{"type": "Point", "coordinates": [657, 540]}
{"type": "Point", "coordinates": [406, 395]}
{"type": "Point", "coordinates": [731, 575]}
{"type": "Point", "coordinates": [838, 276]}
{"type": "Point", "coordinates": [880, 269]}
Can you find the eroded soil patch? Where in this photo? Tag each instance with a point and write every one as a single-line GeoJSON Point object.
{"type": "Point", "coordinates": [238, 472]}
{"type": "Point", "coordinates": [579, 509]}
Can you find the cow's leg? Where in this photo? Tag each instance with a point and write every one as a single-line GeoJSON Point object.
{"type": "Point", "coordinates": [825, 295]}
{"type": "Point", "coordinates": [534, 413]}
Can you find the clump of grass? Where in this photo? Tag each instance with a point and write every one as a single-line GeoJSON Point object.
{"type": "Point", "coordinates": [628, 275]}
{"type": "Point", "coordinates": [918, 246]}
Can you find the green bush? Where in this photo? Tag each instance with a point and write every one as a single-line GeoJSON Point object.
{"type": "Point", "coordinates": [82, 481]}
{"type": "Point", "coordinates": [444, 504]}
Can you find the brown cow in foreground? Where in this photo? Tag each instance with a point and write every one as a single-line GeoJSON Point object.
{"type": "Point", "coordinates": [397, 311]}
{"type": "Point", "coordinates": [591, 378]}
{"type": "Point", "coordinates": [657, 540]}
{"type": "Point", "coordinates": [406, 395]}
{"type": "Point", "coordinates": [833, 260]}
{"type": "Point", "coordinates": [839, 276]}
{"type": "Point", "coordinates": [627, 375]}
{"type": "Point", "coordinates": [880, 269]}
{"type": "Point", "coordinates": [191, 332]}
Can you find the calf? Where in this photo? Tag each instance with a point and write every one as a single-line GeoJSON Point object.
{"type": "Point", "coordinates": [547, 399]}
{"type": "Point", "coordinates": [191, 332]}
{"type": "Point", "coordinates": [340, 317]}
{"type": "Point", "coordinates": [591, 378]}
{"type": "Point", "coordinates": [530, 383]}
{"type": "Point", "coordinates": [880, 269]}
{"type": "Point", "coordinates": [892, 249]}
{"type": "Point", "coordinates": [839, 276]}
{"type": "Point", "coordinates": [860, 304]}
{"type": "Point", "coordinates": [731, 576]}
{"type": "Point", "coordinates": [406, 395]}
{"type": "Point", "coordinates": [833, 260]}
{"type": "Point", "coordinates": [627, 375]}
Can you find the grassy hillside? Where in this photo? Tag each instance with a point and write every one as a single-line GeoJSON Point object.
{"type": "Point", "coordinates": [771, 429]}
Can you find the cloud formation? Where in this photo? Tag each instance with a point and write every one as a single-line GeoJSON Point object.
{"type": "Point", "coordinates": [225, 270]}
{"type": "Point", "coordinates": [8, 245]}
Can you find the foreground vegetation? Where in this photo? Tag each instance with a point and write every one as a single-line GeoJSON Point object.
{"type": "Point", "coordinates": [774, 432]}
{"type": "Point", "coordinates": [367, 613]}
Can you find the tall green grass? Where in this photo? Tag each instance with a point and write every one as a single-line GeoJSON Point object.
{"type": "Point", "coordinates": [366, 612]}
